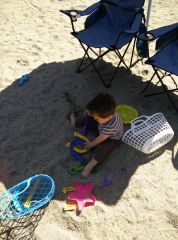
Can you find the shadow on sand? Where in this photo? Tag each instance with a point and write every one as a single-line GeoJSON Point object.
{"type": "Point", "coordinates": [34, 128]}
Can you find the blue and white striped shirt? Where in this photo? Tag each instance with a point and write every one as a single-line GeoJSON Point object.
{"type": "Point", "coordinates": [113, 128]}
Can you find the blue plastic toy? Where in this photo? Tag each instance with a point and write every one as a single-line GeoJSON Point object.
{"type": "Point", "coordinates": [26, 197]}
{"type": "Point", "coordinates": [79, 139]}
{"type": "Point", "coordinates": [23, 79]}
{"type": "Point", "coordinates": [73, 152]}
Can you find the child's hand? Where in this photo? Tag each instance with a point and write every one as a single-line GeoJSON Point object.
{"type": "Point", "coordinates": [88, 145]}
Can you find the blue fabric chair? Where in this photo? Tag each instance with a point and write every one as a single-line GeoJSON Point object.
{"type": "Point", "coordinates": [110, 24]}
{"type": "Point", "coordinates": [165, 61]}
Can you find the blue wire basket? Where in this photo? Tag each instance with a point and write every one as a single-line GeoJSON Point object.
{"type": "Point", "coordinates": [26, 197]}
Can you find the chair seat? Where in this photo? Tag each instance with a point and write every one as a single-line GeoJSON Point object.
{"type": "Point", "coordinates": [103, 33]}
{"type": "Point", "coordinates": [167, 58]}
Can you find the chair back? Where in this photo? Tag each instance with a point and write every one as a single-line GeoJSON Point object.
{"type": "Point", "coordinates": [127, 3]}
{"type": "Point", "coordinates": [118, 13]}
{"type": "Point", "coordinates": [119, 17]}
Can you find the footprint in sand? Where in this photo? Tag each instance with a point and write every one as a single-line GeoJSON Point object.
{"type": "Point", "coordinates": [22, 62]}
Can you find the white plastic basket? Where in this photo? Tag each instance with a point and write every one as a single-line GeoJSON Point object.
{"type": "Point", "coordinates": [148, 133]}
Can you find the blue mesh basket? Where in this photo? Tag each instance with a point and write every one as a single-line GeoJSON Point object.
{"type": "Point", "coordinates": [26, 197]}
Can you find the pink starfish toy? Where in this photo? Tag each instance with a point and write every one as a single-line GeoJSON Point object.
{"type": "Point", "coordinates": [83, 195]}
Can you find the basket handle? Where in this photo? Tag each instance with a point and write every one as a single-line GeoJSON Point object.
{"type": "Point", "coordinates": [138, 120]}
{"type": "Point", "coordinates": [28, 184]}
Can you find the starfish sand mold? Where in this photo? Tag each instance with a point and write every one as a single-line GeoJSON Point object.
{"type": "Point", "coordinates": [83, 195]}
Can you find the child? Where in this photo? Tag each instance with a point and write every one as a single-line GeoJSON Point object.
{"type": "Point", "coordinates": [104, 122]}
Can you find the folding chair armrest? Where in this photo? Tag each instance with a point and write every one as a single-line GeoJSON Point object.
{"type": "Point", "coordinates": [74, 14]}
{"type": "Point", "coordinates": [158, 32]}
{"type": "Point", "coordinates": [146, 37]}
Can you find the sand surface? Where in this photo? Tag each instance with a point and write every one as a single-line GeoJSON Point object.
{"type": "Point", "coordinates": [142, 202]}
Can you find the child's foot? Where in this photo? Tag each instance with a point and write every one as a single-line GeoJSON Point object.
{"type": "Point", "coordinates": [88, 168]}
{"type": "Point", "coordinates": [72, 119]}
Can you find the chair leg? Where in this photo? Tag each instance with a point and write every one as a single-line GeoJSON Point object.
{"type": "Point", "coordinates": [165, 90]}
{"type": "Point", "coordinates": [148, 83]}
{"type": "Point", "coordinates": [121, 57]}
{"type": "Point", "coordinates": [81, 62]}
{"type": "Point", "coordinates": [131, 59]}
{"type": "Point", "coordinates": [80, 69]}
{"type": "Point", "coordinates": [121, 61]}
{"type": "Point", "coordinates": [92, 62]}
{"type": "Point", "coordinates": [114, 73]}
{"type": "Point", "coordinates": [132, 52]}
{"type": "Point", "coordinates": [163, 75]}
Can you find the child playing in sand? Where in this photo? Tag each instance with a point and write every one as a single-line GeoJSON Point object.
{"type": "Point", "coordinates": [105, 123]}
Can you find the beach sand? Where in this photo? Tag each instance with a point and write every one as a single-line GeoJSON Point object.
{"type": "Point", "coordinates": [142, 201]}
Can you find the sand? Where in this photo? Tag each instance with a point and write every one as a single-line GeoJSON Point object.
{"type": "Point", "coordinates": [142, 201]}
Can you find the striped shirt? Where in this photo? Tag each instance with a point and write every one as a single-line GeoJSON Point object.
{"type": "Point", "coordinates": [113, 128]}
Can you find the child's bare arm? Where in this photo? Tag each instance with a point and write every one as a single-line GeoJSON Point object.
{"type": "Point", "coordinates": [96, 141]}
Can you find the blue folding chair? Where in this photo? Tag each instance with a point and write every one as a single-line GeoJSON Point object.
{"type": "Point", "coordinates": [165, 61]}
{"type": "Point", "coordinates": [110, 24]}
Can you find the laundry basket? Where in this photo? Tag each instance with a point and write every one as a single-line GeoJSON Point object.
{"type": "Point", "coordinates": [148, 133]}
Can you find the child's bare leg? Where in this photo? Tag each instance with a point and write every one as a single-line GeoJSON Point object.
{"type": "Point", "coordinates": [88, 168]}
{"type": "Point", "coordinates": [72, 119]}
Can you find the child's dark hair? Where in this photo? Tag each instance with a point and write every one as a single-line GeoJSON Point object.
{"type": "Point", "coordinates": [103, 105]}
